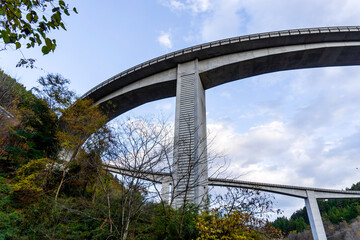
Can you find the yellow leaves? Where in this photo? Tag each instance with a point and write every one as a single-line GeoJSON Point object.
{"type": "Point", "coordinates": [29, 177]}
{"type": "Point", "coordinates": [235, 224]}
{"type": "Point", "coordinates": [27, 183]}
{"type": "Point", "coordinates": [79, 121]}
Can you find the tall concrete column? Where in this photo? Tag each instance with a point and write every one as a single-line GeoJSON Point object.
{"type": "Point", "coordinates": [316, 224]}
{"type": "Point", "coordinates": [190, 157]}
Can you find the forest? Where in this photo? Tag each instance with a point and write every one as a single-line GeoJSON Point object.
{"type": "Point", "coordinates": [53, 185]}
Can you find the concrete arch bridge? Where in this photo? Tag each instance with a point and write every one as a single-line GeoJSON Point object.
{"type": "Point", "coordinates": [187, 73]}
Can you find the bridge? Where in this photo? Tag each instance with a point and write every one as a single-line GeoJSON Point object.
{"type": "Point", "coordinates": [187, 73]}
{"type": "Point", "coordinates": [310, 195]}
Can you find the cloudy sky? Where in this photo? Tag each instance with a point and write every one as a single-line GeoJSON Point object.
{"type": "Point", "coordinates": [296, 127]}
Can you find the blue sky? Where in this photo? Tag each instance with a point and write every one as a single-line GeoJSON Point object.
{"type": "Point", "coordinates": [296, 127]}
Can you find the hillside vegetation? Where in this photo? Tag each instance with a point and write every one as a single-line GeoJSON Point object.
{"type": "Point", "coordinates": [53, 186]}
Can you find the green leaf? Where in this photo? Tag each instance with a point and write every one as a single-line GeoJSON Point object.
{"type": "Point", "coordinates": [18, 45]}
{"type": "Point", "coordinates": [63, 26]}
{"type": "Point", "coordinates": [42, 33]}
{"type": "Point", "coordinates": [56, 18]}
{"type": "Point", "coordinates": [42, 26]}
{"type": "Point", "coordinates": [75, 10]}
{"type": "Point", "coordinates": [66, 12]}
{"type": "Point", "coordinates": [18, 13]}
{"type": "Point", "coordinates": [38, 40]}
{"type": "Point", "coordinates": [2, 12]}
{"type": "Point", "coordinates": [5, 37]}
{"type": "Point", "coordinates": [45, 50]}
{"type": "Point", "coordinates": [61, 3]}
{"type": "Point", "coordinates": [48, 42]}
{"type": "Point", "coordinates": [53, 45]}
{"type": "Point", "coordinates": [13, 37]}
{"type": "Point", "coordinates": [35, 16]}
{"type": "Point", "coordinates": [29, 17]}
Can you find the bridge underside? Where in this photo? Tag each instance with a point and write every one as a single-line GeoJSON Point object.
{"type": "Point", "coordinates": [228, 60]}
{"type": "Point", "coordinates": [220, 70]}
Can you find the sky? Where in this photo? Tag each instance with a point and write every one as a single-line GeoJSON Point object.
{"type": "Point", "coordinates": [299, 127]}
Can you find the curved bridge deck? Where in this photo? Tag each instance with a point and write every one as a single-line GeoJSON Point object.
{"type": "Point", "coordinates": [228, 60]}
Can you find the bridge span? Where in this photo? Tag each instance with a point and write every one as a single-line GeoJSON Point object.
{"type": "Point", "coordinates": [309, 194]}
{"type": "Point", "coordinates": [187, 73]}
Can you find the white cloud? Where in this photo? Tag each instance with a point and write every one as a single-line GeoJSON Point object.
{"type": "Point", "coordinates": [266, 15]}
{"type": "Point", "coordinates": [223, 20]}
{"type": "Point", "coordinates": [199, 5]}
{"type": "Point", "coordinates": [309, 136]}
{"type": "Point", "coordinates": [165, 40]}
{"type": "Point", "coordinates": [238, 17]}
{"type": "Point", "coordinates": [277, 153]}
{"type": "Point", "coordinates": [177, 5]}
{"type": "Point", "coordinates": [195, 6]}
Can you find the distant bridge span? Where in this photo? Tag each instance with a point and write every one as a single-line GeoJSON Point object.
{"type": "Point", "coordinates": [187, 73]}
{"type": "Point", "coordinates": [310, 195]}
{"type": "Point", "coordinates": [288, 190]}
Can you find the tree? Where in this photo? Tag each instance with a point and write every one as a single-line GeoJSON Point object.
{"type": "Point", "coordinates": [8, 99]}
{"type": "Point", "coordinates": [143, 154]}
{"type": "Point", "coordinates": [138, 147]}
{"type": "Point", "coordinates": [29, 22]}
{"type": "Point", "coordinates": [78, 122]}
{"type": "Point", "coordinates": [234, 224]}
{"type": "Point", "coordinates": [8, 93]}
{"type": "Point", "coordinates": [238, 214]}
{"type": "Point", "coordinates": [30, 132]}
{"type": "Point", "coordinates": [51, 121]}
{"type": "Point", "coordinates": [250, 201]}
{"type": "Point", "coordinates": [8, 215]}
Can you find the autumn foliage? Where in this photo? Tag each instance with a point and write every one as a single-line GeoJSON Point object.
{"type": "Point", "coordinates": [219, 223]}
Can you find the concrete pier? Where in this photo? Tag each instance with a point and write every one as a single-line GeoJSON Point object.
{"type": "Point", "coordinates": [316, 224]}
{"type": "Point", "coordinates": [190, 160]}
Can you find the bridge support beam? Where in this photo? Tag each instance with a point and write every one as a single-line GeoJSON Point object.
{"type": "Point", "coordinates": [190, 157]}
{"type": "Point", "coordinates": [316, 224]}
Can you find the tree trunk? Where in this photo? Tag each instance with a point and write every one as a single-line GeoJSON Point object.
{"type": "Point", "coordinates": [94, 194]}
{"type": "Point", "coordinates": [61, 183]}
